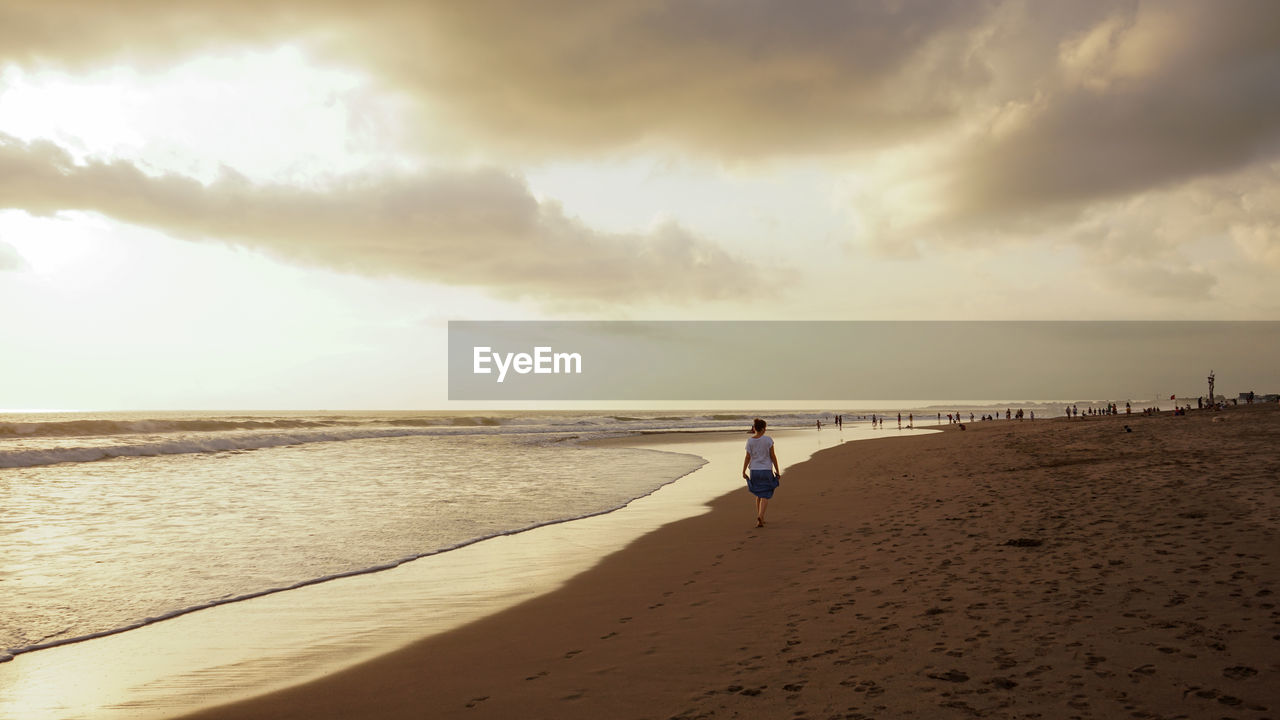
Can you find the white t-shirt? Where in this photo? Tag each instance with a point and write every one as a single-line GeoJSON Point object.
{"type": "Point", "coordinates": [759, 449]}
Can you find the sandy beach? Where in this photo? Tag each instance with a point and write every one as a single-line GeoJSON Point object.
{"type": "Point", "coordinates": [1048, 569]}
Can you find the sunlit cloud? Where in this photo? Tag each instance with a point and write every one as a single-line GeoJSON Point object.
{"type": "Point", "coordinates": [474, 227]}
{"type": "Point", "coordinates": [272, 114]}
{"type": "Point", "coordinates": [10, 258]}
{"type": "Point", "coordinates": [734, 78]}
{"type": "Point", "coordinates": [1093, 125]}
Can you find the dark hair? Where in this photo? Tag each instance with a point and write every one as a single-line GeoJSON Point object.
{"type": "Point", "coordinates": [758, 425]}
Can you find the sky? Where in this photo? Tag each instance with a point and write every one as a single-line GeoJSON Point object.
{"type": "Point", "coordinates": [280, 204]}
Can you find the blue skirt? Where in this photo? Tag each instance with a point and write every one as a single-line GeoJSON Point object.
{"type": "Point", "coordinates": [762, 483]}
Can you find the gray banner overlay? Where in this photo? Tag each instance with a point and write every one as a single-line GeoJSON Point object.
{"type": "Point", "coordinates": [857, 360]}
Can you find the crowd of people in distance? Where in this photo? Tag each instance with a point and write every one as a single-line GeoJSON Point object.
{"type": "Point", "coordinates": [1110, 409]}
{"type": "Point", "coordinates": [1070, 411]}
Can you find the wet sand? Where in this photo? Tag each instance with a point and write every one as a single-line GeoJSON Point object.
{"type": "Point", "coordinates": [1046, 569]}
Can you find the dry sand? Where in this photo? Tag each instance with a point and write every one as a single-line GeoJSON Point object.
{"type": "Point", "coordinates": [1046, 569]}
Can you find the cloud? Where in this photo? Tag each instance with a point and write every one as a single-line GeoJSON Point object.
{"type": "Point", "coordinates": [1161, 282]}
{"type": "Point", "coordinates": [1112, 97]}
{"type": "Point", "coordinates": [741, 79]}
{"type": "Point", "coordinates": [1147, 98]}
{"type": "Point", "coordinates": [728, 79]}
{"type": "Point", "coordinates": [1185, 241]}
{"type": "Point", "coordinates": [1020, 121]}
{"type": "Point", "coordinates": [474, 227]}
{"type": "Point", "coordinates": [10, 258]}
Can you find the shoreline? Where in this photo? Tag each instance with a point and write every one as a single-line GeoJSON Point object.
{"type": "Point", "coordinates": [7, 655]}
{"type": "Point", "coordinates": [276, 640]}
{"type": "Point", "coordinates": [1062, 568]}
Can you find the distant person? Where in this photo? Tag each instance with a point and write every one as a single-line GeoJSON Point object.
{"type": "Point", "coordinates": [1128, 410]}
{"type": "Point", "coordinates": [899, 421]}
{"type": "Point", "coordinates": [762, 462]}
{"type": "Point", "coordinates": [911, 420]}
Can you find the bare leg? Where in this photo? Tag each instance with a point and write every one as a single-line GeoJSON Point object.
{"type": "Point", "coordinates": [761, 504]}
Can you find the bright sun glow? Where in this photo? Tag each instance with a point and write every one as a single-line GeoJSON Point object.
{"type": "Point", "coordinates": [272, 116]}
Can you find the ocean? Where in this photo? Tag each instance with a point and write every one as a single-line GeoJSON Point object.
{"type": "Point", "coordinates": [110, 521]}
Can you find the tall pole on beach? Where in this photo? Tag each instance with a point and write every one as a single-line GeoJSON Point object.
{"type": "Point", "coordinates": [1211, 402]}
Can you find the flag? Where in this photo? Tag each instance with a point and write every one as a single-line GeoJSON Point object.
{"type": "Point", "coordinates": [1173, 397]}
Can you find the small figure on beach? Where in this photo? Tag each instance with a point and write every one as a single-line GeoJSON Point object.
{"type": "Point", "coordinates": [762, 462]}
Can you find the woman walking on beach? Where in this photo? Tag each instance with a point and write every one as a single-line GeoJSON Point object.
{"type": "Point", "coordinates": [765, 472]}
